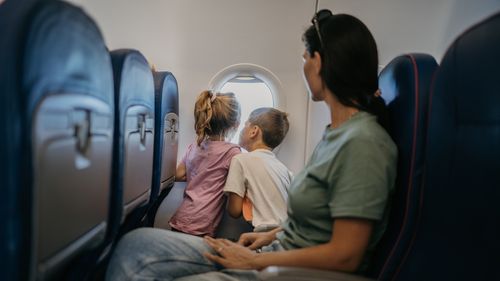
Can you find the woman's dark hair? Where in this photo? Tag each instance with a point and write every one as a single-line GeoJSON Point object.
{"type": "Point", "coordinates": [349, 61]}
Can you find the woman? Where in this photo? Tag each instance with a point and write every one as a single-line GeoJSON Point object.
{"type": "Point", "coordinates": [337, 204]}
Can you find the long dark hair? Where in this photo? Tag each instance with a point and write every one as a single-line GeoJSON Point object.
{"type": "Point", "coordinates": [349, 60]}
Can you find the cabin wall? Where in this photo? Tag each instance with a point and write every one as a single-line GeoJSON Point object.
{"type": "Point", "coordinates": [426, 26]}
{"type": "Point", "coordinates": [195, 39]}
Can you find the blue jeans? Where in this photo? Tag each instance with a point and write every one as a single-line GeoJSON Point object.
{"type": "Point", "coordinates": [157, 254]}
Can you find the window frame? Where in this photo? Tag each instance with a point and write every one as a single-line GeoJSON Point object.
{"type": "Point", "coordinates": [257, 71]}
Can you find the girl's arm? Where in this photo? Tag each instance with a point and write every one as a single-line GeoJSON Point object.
{"type": "Point", "coordinates": [180, 173]}
{"type": "Point", "coordinates": [344, 251]}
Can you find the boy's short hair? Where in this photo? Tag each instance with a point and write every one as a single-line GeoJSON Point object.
{"type": "Point", "coordinates": [272, 122]}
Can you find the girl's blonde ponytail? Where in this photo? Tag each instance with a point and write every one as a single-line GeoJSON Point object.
{"type": "Point", "coordinates": [215, 115]}
{"type": "Point", "coordinates": [202, 115]}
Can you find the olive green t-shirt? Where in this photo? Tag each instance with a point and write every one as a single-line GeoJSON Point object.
{"type": "Point", "coordinates": [350, 174]}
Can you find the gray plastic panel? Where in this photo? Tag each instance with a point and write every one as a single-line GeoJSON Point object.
{"type": "Point", "coordinates": [170, 146]}
{"type": "Point", "coordinates": [72, 141]}
{"type": "Point", "coordinates": [138, 166]}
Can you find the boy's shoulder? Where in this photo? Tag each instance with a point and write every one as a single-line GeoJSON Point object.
{"type": "Point", "coordinates": [260, 156]}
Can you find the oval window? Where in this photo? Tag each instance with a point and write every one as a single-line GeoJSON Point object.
{"type": "Point", "coordinates": [253, 85]}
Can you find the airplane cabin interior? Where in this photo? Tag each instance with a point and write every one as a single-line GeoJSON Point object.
{"type": "Point", "coordinates": [96, 109]}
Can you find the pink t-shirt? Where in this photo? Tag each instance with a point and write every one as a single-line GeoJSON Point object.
{"type": "Point", "coordinates": [207, 166]}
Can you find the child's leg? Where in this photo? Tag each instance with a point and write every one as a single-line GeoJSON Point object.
{"type": "Point", "coordinates": [157, 254]}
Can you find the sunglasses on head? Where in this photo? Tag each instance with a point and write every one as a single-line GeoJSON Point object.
{"type": "Point", "coordinates": [317, 19]}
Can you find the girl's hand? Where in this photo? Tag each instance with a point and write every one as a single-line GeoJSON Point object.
{"type": "Point", "coordinates": [256, 240]}
{"type": "Point", "coordinates": [231, 255]}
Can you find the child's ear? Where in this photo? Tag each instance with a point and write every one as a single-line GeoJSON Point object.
{"type": "Point", "coordinates": [254, 131]}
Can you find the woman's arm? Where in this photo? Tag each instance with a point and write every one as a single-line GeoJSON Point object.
{"type": "Point", "coordinates": [344, 251]}
{"type": "Point", "coordinates": [180, 173]}
{"type": "Point", "coordinates": [234, 205]}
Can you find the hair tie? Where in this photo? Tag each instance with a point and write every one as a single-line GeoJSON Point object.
{"type": "Point", "coordinates": [213, 96]}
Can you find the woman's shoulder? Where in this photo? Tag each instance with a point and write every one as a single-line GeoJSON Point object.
{"type": "Point", "coordinates": [366, 132]}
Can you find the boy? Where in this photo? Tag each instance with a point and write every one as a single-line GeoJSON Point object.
{"type": "Point", "coordinates": [257, 181]}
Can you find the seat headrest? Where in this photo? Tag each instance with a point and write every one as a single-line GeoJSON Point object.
{"type": "Point", "coordinates": [133, 78]}
{"type": "Point", "coordinates": [65, 53]}
{"type": "Point", "coordinates": [166, 87]}
{"type": "Point", "coordinates": [469, 79]}
{"type": "Point", "coordinates": [402, 75]}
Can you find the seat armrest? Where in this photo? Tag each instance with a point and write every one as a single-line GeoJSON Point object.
{"type": "Point", "coordinates": [278, 273]}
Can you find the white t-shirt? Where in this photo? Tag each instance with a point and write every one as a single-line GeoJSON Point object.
{"type": "Point", "coordinates": [264, 180]}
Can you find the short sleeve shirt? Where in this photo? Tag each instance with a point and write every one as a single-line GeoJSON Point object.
{"type": "Point", "coordinates": [207, 166]}
{"type": "Point", "coordinates": [264, 180]}
{"type": "Point", "coordinates": [350, 174]}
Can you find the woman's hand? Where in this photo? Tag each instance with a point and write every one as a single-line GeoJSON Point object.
{"type": "Point", "coordinates": [231, 255]}
{"type": "Point", "coordinates": [256, 240]}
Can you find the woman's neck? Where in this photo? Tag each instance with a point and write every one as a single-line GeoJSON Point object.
{"type": "Point", "coordinates": [339, 113]}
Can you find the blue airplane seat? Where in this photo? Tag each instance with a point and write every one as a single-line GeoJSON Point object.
{"type": "Point", "coordinates": [404, 84]}
{"type": "Point", "coordinates": [134, 135]}
{"type": "Point", "coordinates": [166, 140]}
{"type": "Point", "coordinates": [167, 126]}
{"type": "Point", "coordinates": [458, 227]}
{"type": "Point", "coordinates": [57, 93]}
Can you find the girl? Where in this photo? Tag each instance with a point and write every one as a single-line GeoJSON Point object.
{"type": "Point", "coordinates": [206, 163]}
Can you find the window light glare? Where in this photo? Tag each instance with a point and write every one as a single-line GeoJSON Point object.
{"type": "Point", "coordinates": [251, 95]}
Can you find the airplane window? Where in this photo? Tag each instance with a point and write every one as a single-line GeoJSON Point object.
{"type": "Point", "coordinates": [252, 93]}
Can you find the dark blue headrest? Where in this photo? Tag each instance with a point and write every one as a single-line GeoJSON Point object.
{"type": "Point", "coordinates": [134, 83]}
{"type": "Point", "coordinates": [166, 91]}
{"type": "Point", "coordinates": [469, 76]}
{"type": "Point", "coordinates": [77, 63]}
{"type": "Point", "coordinates": [405, 84]}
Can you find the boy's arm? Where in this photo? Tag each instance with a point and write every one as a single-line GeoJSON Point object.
{"type": "Point", "coordinates": [234, 205]}
{"type": "Point", "coordinates": [235, 188]}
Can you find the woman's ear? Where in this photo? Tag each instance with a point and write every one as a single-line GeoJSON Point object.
{"type": "Point", "coordinates": [317, 62]}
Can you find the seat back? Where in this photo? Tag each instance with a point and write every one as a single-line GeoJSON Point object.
{"type": "Point", "coordinates": [404, 84]}
{"type": "Point", "coordinates": [65, 100]}
{"type": "Point", "coordinates": [166, 140]}
{"type": "Point", "coordinates": [167, 126]}
{"type": "Point", "coordinates": [134, 132]}
{"type": "Point", "coordinates": [458, 225]}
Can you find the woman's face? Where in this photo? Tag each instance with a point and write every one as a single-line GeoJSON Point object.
{"type": "Point", "coordinates": [312, 77]}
